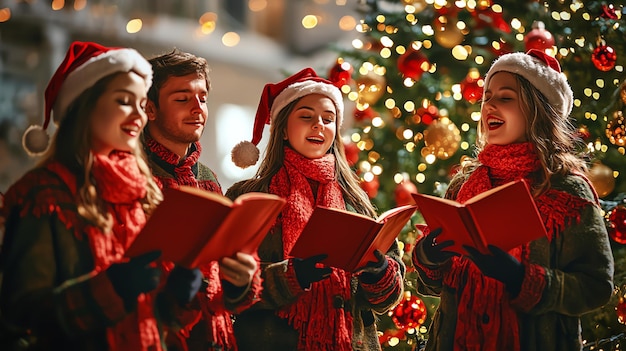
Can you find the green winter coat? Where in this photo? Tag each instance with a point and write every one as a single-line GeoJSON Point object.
{"type": "Point", "coordinates": [578, 266]}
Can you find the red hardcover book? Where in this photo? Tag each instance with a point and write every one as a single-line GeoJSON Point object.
{"type": "Point", "coordinates": [350, 239]}
{"type": "Point", "coordinates": [505, 216]}
{"type": "Point", "coordinates": [192, 226]}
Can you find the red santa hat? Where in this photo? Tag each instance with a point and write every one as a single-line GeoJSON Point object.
{"type": "Point", "coordinates": [277, 96]}
{"type": "Point", "coordinates": [543, 72]}
{"type": "Point", "coordinates": [85, 64]}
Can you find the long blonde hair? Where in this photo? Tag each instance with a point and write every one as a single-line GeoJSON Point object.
{"type": "Point", "coordinates": [275, 155]}
{"type": "Point", "coordinates": [553, 136]}
{"type": "Point", "coordinates": [71, 146]}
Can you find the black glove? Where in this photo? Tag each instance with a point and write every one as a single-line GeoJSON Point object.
{"type": "Point", "coordinates": [434, 250]}
{"type": "Point", "coordinates": [184, 283]}
{"type": "Point", "coordinates": [129, 279]}
{"type": "Point", "coordinates": [499, 265]}
{"type": "Point", "coordinates": [374, 271]}
{"type": "Point", "coordinates": [307, 272]}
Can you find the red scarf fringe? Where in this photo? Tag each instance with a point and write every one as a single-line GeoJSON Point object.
{"type": "Point", "coordinates": [321, 326]}
{"type": "Point", "coordinates": [486, 298]}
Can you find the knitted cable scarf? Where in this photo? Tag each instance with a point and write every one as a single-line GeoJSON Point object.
{"type": "Point", "coordinates": [486, 319]}
{"type": "Point", "coordinates": [185, 172]}
{"type": "Point", "coordinates": [121, 186]}
{"type": "Point", "coordinates": [219, 329]}
{"type": "Point", "coordinates": [321, 327]}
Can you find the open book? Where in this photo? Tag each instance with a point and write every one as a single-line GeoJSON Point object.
{"type": "Point", "coordinates": [192, 226]}
{"type": "Point", "coordinates": [505, 216]}
{"type": "Point", "coordinates": [350, 239]}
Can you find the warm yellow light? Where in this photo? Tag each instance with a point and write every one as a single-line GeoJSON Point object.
{"type": "Point", "coordinates": [79, 4]}
{"type": "Point", "coordinates": [57, 4]}
{"type": "Point", "coordinates": [347, 23]}
{"type": "Point", "coordinates": [230, 39]}
{"type": "Point", "coordinates": [208, 17]}
{"type": "Point", "coordinates": [134, 26]}
{"type": "Point", "coordinates": [208, 27]}
{"type": "Point", "coordinates": [5, 14]}
{"type": "Point", "coordinates": [309, 21]}
{"type": "Point", "coordinates": [257, 5]}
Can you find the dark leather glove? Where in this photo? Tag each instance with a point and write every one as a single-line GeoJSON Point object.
{"type": "Point", "coordinates": [434, 250]}
{"type": "Point", "coordinates": [307, 271]}
{"type": "Point", "coordinates": [129, 279]}
{"type": "Point", "coordinates": [499, 265]}
{"type": "Point", "coordinates": [184, 283]}
{"type": "Point", "coordinates": [374, 271]}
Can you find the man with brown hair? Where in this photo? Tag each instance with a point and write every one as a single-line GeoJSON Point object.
{"type": "Point", "coordinates": [177, 113]}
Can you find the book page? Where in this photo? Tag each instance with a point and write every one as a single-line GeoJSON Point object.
{"type": "Point", "coordinates": [338, 233]}
{"type": "Point", "coordinates": [244, 228]}
{"type": "Point", "coordinates": [448, 215]}
{"type": "Point", "coordinates": [392, 223]}
{"type": "Point", "coordinates": [180, 224]}
{"type": "Point", "coordinates": [508, 216]}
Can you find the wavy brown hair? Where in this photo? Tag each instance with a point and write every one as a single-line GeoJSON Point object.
{"type": "Point", "coordinates": [553, 136]}
{"type": "Point", "coordinates": [275, 155]}
{"type": "Point", "coordinates": [176, 63]}
{"type": "Point", "coordinates": [71, 146]}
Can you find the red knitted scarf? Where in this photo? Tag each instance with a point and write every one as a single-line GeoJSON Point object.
{"type": "Point", "coordinates": [185, 172]}
{"type": "Point", "coordinates": [321, 326]}
{"type": "Point", "coordinates": [121, 186]}
{"type": "Point", "coordinates": [219, 328]}
{"type": "Point", "coordinates": [486, 320]}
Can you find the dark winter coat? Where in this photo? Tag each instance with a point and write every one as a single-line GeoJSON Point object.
{"type": "Point", "coordinates": [260, 329]}
{"type": "Point", "coordinates": [578, 266]}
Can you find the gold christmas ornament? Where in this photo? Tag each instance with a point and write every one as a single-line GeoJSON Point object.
{"type": "Point", "coordinates": [622, 92]}
{"type": "Point", "coordinates": [370, 87]}
{"type": "Point", "coordinates": [447, 34]}
{"type": "Point", "coordinates": [615, 129]}
{"type": "Point", "coordinates": [601, 177]}
{"type": "Point", "coordinates": [442, 138]}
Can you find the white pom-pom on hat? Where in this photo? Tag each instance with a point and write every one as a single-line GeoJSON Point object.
{"type": "Point", "coordinates": [245, 154]}
{"type": "Point", "coordinates": [85, 63]}
{"type": "Point", "coordinates": [277, 96]}
{"type": "Point", "coordinates": [35, 140]}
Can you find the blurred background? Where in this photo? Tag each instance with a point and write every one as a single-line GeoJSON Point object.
{"type": "Point", "coordinates": [247, 43]}
{"type": "Point", "coordinates": [412, 76]}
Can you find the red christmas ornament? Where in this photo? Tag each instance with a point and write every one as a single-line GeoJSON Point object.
{"type": "Point", "coordinates": [413, 63]}
{"type": "Point", "coordinates": [371, 187]}
{"type": "Point", "coordinates": [426, 115]}
{"type": "Point", "coordinates": [485, 16]}
{"type": "Point", "coordinates": [617, 222]}
{"type": "Point", "coordinates": [409, 313]}
{"type": "Point", "coordinates": [604, 58]}
{"type": "Point", "coordinates": [539, 38]}
{"type": "Point", "coordinates": [608, 12]}
{"type": "Point", "coordinates": [352, 153]}
{"type": "Point", "coordinates": [470, 89]}
{"type": "Point", "coordinates": [341, 73]}
{"type": "Point", "coordinates": [368, 114]}
{"type": "Point", "coordinates": [402, 193]}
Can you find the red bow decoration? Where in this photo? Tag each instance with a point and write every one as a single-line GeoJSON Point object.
{"type": "Point", "coordinates": [547, 59]}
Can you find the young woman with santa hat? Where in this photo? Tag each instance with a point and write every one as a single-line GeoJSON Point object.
{"type": "Point", "coordinates": [68, 222]}
{"type": "Point", "coordinates": [530, 298]}
{"type": "Point", "coordinates": [305, 306]}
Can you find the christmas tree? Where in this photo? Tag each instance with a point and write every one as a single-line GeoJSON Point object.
{"type": "Point", "coordinates": [416, 75]}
